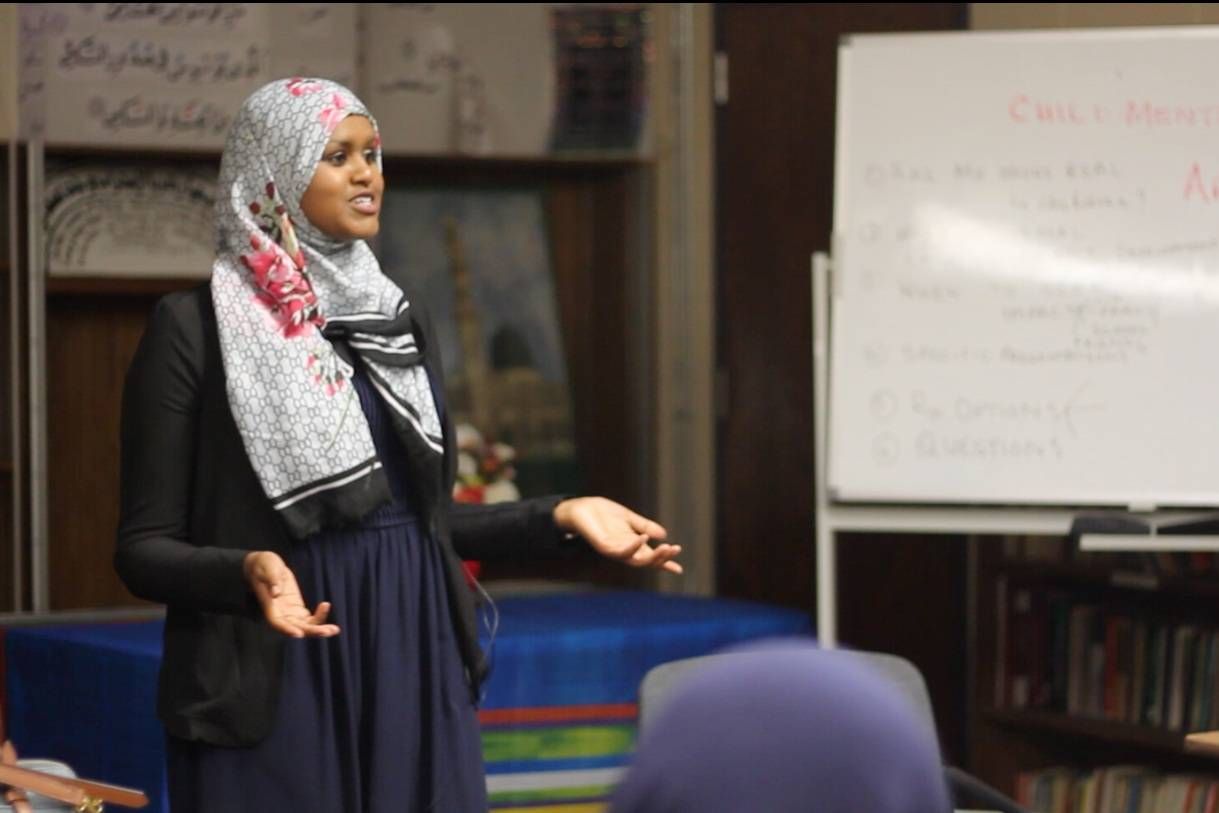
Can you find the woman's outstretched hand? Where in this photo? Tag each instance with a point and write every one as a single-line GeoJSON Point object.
{"type": "Point", "coordinates": [617, 532]}
{"type": "Point", "coordinates": [274, 583]}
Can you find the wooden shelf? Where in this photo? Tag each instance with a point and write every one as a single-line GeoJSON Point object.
{"type": "Point", "coordinates": [406, 171]}
{"type": "Point", "coordinates": [573, 159]}
{"type": "Point", "coordinates": [118, 286]}
{"type": "Point", "coordinates": [1152, 739]}
{"type": "Point", "coordinates": [1200, 585]}
{"type": "Point", "coordinates": [122, 152]}
{"type": "Point", "coordinates": [592, 158]}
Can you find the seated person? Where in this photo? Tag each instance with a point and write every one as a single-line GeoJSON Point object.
{"type": "Point", "coordinates": [17, 800]}
{"type": "Point", "coordinates": [785, 726]}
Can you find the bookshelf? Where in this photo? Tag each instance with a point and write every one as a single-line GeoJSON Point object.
{"type": "Point", "coordinates": [1085, 729]}
{"type": "Point", "coordinates": [1068, 676]}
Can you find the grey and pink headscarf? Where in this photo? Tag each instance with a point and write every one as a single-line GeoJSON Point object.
{"type": "Point", "coordinates": [283, 291]}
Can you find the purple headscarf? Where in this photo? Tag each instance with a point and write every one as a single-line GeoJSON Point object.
{"type": "Point", "coordinates": [781, 728]}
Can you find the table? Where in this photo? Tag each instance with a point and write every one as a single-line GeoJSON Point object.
{"type": "Point", "coordinates": [558, 711]}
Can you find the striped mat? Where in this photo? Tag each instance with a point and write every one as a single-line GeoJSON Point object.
{"type": "Point", "coordinates": [559, 714]}
{"type": "Point", "coordinates": [556, 759]}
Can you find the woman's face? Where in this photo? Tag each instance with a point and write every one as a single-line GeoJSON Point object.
{"type": "Point", "coordinates": [344, 198]}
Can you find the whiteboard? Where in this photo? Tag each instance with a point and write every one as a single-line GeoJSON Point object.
{"type": "Point", "coordinates": [1025, 297]}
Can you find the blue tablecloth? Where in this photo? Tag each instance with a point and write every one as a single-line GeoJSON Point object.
{"type": "Point", "coordinates": [567, 664]}
{"type": "Point", "coordinates": [86, 694]}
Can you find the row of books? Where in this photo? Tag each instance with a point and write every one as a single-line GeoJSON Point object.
{"type": "Point", "coordinates": [1117, 789]}
{"type": "Point", "coordinates": [1057, 652]}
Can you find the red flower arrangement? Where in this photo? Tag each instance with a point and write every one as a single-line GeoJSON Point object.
{"type": "Point", "coordinates": [484, 474]}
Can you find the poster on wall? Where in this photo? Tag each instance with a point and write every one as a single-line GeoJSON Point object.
{"type": "Point", "coordinates": [474, 78]}
{"type": "Point", "coordinates": [480, 260]}
{"type": "Point", "coordinates": [470, 78]}
{"type": "Point", "coordinates": [164, 75]}
{"type": "Point", "coordinates": [509, 79]}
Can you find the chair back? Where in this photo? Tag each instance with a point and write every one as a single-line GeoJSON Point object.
{"type": "Point", "coordinates": [660, 680]}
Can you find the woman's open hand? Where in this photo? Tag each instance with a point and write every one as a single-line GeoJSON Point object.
{"type": "Point", "coordinates": [617, 532]}
{"type": "Point", "coordinates": [274, 583]}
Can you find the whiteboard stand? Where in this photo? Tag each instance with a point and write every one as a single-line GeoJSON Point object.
{"type": "Point", "coordinates": [831, 517]}
{"type": "Point", "coordinates": [827, 559]}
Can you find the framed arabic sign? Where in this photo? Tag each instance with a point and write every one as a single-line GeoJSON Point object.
{"type": "Point", "coordinates": [166, 75]}
{"type": "Point", "coordinates": [472, 78]}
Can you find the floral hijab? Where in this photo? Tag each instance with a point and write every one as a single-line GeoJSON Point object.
{"type": "Point", "coordinates": [283, 292]}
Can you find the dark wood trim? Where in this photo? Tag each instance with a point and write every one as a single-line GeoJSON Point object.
{"type": "Point", "coordinates": [461, 172]}
{"type": "Point", "coordinates": [1068, 575]}
{"type": "Point", "coordinates": [574, 160]}
{"type": "Point", "coordinates": [84, 153]}
{"type": "Point", "coordinates": [1087, 728]}
{"type": "Point", "coordinates": [565, 160]}
{"type": "Point", "coordinates": [118, 286]}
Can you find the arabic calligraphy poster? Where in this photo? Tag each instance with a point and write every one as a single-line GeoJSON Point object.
{"type": "Point", "coordinates": [473, 78]}
{"type": "Point", "coordinates": [164, 74]}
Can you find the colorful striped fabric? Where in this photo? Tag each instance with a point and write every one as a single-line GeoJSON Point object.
{"type": "Point", "coordinates": [560, 709]}
{"type": "Point", "coordinates": [558, 758]}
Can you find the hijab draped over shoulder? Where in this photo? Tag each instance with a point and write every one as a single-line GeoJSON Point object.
{"type": "Point", "coordinates": [286, 295]}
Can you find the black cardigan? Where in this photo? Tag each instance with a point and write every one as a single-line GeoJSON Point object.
{"type": "Point", "coordinates": [192, 508]}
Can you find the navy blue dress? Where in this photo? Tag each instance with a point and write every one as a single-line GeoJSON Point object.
{"type": "Point", "coordinates": [377, 719]}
